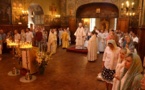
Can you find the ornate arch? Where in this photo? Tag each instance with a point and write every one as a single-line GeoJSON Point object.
{"type": "Point", "coordinates": [97, 10]}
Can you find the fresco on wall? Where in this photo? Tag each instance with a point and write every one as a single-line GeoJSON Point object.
{"type": "Point", "coordinates": [5, 12]}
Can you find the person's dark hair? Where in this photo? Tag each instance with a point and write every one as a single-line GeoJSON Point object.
{"type": "Point", "coordinates": [28, 29]}
{"type": "Point", "coordinates": [94, 32]}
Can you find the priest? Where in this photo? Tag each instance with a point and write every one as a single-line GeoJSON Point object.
{"type": "Point", "coordinates": [80, 37]}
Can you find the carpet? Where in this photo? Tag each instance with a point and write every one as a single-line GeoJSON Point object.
{"type": "Point", "coordinates": [72, 49]}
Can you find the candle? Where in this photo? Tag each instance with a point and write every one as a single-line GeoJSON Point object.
{"type": "Point", "coordinates": [122, 5]}
{"type": "Point", "coordinates": [127, 3]}
{"type": "Point", "coordinates": [132, 3]}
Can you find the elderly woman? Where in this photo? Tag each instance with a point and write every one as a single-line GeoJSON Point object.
{"type": "Point", "coordinates": [110, 58]}
{"type": "Point", "coordinates": [131, 76]}
{"type": "Point", "coordinates": [128, 43]}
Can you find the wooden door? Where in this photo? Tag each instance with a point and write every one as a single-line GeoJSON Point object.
{"type": "Point", "coordinates": [72, 26]}
{"type": "Point", "coordinates": [123, 24]}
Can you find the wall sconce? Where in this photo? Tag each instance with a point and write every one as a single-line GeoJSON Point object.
{"type": "Point", "coordinates": [57, 16]}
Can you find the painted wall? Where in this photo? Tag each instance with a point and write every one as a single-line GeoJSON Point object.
{"type": "Point", "coordinates": [50, 7]}
{"type": "Point", "coordinates": [46, 5]}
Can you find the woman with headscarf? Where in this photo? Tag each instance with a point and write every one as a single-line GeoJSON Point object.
{"type": "Point", "coordinates": [128, 43]}
{"type": "Point", "coordinates": [143, 83]}
{"type": "Point", "coordinates": [131, 76]}
{"type": "Point", "coordinates": [92, 47]}
{"type": "Point", "coordinates": [119, 68]}
{"type": "Point", "coordinates": [110, 58]}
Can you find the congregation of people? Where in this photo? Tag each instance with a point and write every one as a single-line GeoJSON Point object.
{"type": "Point", "coordinates": [122, 68]}
{"type": "Point", "coordinates": [38, 37]}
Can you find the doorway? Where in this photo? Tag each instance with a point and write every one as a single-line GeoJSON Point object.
{"type": "Point", "coordinates": [102, 15]}
{"type": "Point", "coordinates": [101, 24]}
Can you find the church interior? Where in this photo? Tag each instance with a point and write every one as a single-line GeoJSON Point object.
{"type": "Point", "coordinates": [28, 63]}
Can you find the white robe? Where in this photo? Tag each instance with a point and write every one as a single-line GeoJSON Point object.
{"type": "Point", "coordinates": [101, 42]}
{"type": "Point", "coordinates": [80, 37]}
{"type": "Point", "coordinates": [92, 48]}
{"type": "Point", "coordinates": [51, 46]}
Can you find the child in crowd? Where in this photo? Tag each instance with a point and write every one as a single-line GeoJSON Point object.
{"type": "Point", "coordinates": [119, 68]}
{"type": "Point", "coordinates": [110, 59]}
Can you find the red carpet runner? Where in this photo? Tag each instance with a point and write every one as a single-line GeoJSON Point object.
{"type": "Point", "coordinates": [72, 49]}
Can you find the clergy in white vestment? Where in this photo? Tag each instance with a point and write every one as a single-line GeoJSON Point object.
{"type": "Point", "coordinates": [92, 47]}
{"type": "Point", "coordinates": [101, 41]}
{"type": "Point", "coordinates": [51, 46]}
{"type": "Point", "coordinates": [80, 37]}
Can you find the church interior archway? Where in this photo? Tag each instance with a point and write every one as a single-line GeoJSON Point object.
{"type": "Point", "coordinates": [102, 15]}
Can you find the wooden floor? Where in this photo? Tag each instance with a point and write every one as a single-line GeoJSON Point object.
{"type": "Point", "coordinates": [66, 71]}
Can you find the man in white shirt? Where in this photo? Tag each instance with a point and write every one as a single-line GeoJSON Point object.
{"type": "Point", "coordinates": [16, 36]}
{"type": "Point", "coordinates": [135, 41]}
{"type": "Point", "coordinates": [134, 37]}
{"type": "Point", "coordinates": [29, 35]}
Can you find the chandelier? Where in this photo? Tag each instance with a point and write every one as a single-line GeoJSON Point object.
{"type": "Point", "coordinates": [127, 8]}
{"type": "Point", "coordinates": [24, 12]}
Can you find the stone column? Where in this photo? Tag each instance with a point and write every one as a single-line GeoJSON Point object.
{"type": "Point", "coordinates": [143, 13]}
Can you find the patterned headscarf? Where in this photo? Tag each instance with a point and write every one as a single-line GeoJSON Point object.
{"type": "Point", "coordinates": [135, 69]}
